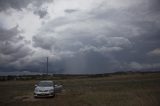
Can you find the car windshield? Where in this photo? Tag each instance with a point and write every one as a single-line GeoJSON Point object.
{"type": "Point", "coordinates": [45, 84]}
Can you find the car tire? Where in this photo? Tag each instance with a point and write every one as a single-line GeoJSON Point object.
{"type": "Point", "coordinates": [53, 95]}
{"type": "Point", "coordinates": [35, 97]}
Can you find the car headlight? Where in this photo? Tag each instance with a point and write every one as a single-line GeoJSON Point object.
{"type": "Point", "coordinates": [36, 90]}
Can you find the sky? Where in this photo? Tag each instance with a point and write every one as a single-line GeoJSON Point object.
{"type": "Point", "coordinates": [79, 36]}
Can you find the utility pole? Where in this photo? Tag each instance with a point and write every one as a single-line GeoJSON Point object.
{"type": "Point", "coordinates": [47, 65]}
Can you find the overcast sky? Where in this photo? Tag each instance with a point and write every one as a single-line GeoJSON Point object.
{"type": "Point", "coordinates": [79, 36]}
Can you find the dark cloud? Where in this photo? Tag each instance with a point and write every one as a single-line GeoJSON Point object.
{"type": "Point", "coordinates": [45, 42]}
{"type": "Point", "coordinates": [155, 5]}
{"type": "Point", "coordinates": [12, 47]}
{"type": "Point", "coordinates": [20, 4]}
{"type": "Point", "coordinates": [105, 39]}
{"type": "Point", "coordinates": [70, 10]}
{"type": "Point", "coordinates": [16, 4]}
{"type": "Point", "coordinates": [7, 34]}
{"type": "Point", "coordinates": [41, 13]}
{"type": "Point", "coordinates": [90, 62]}
{"type": "Point", "coordinates": [134, 32]}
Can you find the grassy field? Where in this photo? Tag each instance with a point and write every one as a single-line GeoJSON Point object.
{"type": "Point", "coordinates": [115, 90]}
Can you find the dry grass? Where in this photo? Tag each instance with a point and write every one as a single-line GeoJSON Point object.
{"type": "Point", "coordinates": [116, 90]}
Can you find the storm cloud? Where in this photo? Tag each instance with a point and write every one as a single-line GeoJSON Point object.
{"type": "Point", "coordinates": [82, 36]}
{"type": "Point", "coordinates": [19, 4]}
{"type": "Point", "coordinates": [13, 48]}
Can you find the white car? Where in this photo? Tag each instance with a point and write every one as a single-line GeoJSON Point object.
{"type": "Point", "coordinates": [44, 89]}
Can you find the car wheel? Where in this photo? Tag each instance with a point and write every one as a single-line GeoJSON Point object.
{"type": "Point", "coordinates": [53, 95]}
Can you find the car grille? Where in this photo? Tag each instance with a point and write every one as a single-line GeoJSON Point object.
{"type": "Point", "coordinates": [43, 90]}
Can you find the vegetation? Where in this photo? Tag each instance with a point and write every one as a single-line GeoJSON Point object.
{"type": "Point", "coordinates": [114, 90]}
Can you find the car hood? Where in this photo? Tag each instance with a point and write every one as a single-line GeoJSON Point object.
{"type": "Point", "coordinates": [44, 88]}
